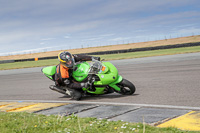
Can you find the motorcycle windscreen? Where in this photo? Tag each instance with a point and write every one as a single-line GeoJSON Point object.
{"type": "Point", "coordinates": [49, 71]}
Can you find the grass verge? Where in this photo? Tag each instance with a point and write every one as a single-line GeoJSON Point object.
{"type": "Point", "coordinates": [34, 123]}
{"type": "Point", "coordinates": [151, 53]}
{"type": "Point", "coordinates": [49, 62]}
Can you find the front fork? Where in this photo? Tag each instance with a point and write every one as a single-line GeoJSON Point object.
{"type": "Point", "coordinates": [113, 85]}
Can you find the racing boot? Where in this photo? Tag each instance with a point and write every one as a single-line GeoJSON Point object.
{"type": "Point", "coordinates": [76, 95]}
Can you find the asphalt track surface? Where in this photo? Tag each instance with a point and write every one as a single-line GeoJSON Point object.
{"type": "Point", "coordinates": [163, 80]}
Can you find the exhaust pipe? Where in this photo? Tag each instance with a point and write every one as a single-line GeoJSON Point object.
{"type": "Point", "coordinates": [55, 88]}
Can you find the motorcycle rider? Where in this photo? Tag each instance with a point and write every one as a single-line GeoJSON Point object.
{"type": "Point", "coordinates": [63, 76]}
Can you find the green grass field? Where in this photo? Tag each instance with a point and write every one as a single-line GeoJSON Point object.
{"type": "Point", "coordinates": [34, 123]}
{"type": "Point", "coordinates": [49, 62]}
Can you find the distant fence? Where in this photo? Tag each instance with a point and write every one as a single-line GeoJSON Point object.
{"type": "Point", "coordinates": [112, 52]}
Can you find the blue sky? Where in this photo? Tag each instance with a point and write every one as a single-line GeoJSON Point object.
{"type": "Point", "coordinates": [42, 25]}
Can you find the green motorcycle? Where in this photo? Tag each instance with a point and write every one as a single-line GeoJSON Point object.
{"type": "Point", "coordinates": [102, 76]}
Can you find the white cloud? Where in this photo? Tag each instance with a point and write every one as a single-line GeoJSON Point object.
{"type": "Point", "coordinates": [166, 20]}
{"type": "Point", "coordinates": [47, 39]}
{"type": "Point", "coordinates": [11, 37]}
{"type": "Point", "coordinates": [119, 39]}
{"type": "Point", "coordinates": [93, 39]}
{"type": "Point", "coordinates": [66, 37]}
{"type": "Point", "coordinates": [107, 35]}
{"type": "Point", "coordinates": [29, 24]}
{"type": "Point", "coordinates": [190, 30]}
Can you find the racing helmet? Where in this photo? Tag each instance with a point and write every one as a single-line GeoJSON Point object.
{"type": "Point", "coordinates": [66, 59]}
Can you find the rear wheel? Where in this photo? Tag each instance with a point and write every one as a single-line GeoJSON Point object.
{"type": "Point", "coordinates": [126, 87]}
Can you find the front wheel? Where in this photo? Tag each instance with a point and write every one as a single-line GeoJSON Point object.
{"type": "Point", "coordinates": [126, 87]}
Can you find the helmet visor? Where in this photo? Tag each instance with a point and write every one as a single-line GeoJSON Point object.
{"type": "Point", "coordinates": [69, 63]}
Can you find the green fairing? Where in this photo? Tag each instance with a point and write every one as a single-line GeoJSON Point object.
{"type": "Point", "coordinates": [49, 71]}
{"type": "Point", "coordinates": [108, 77]}
{"type": "Point", "coordinates": [113, 85]}
{"type": "Point", "coordinates": [81, 71]}
{"type": "Point", "coordinates": [99, 90]}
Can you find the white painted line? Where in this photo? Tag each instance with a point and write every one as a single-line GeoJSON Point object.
{"type": "Point", "coordinates": [109, 103]}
